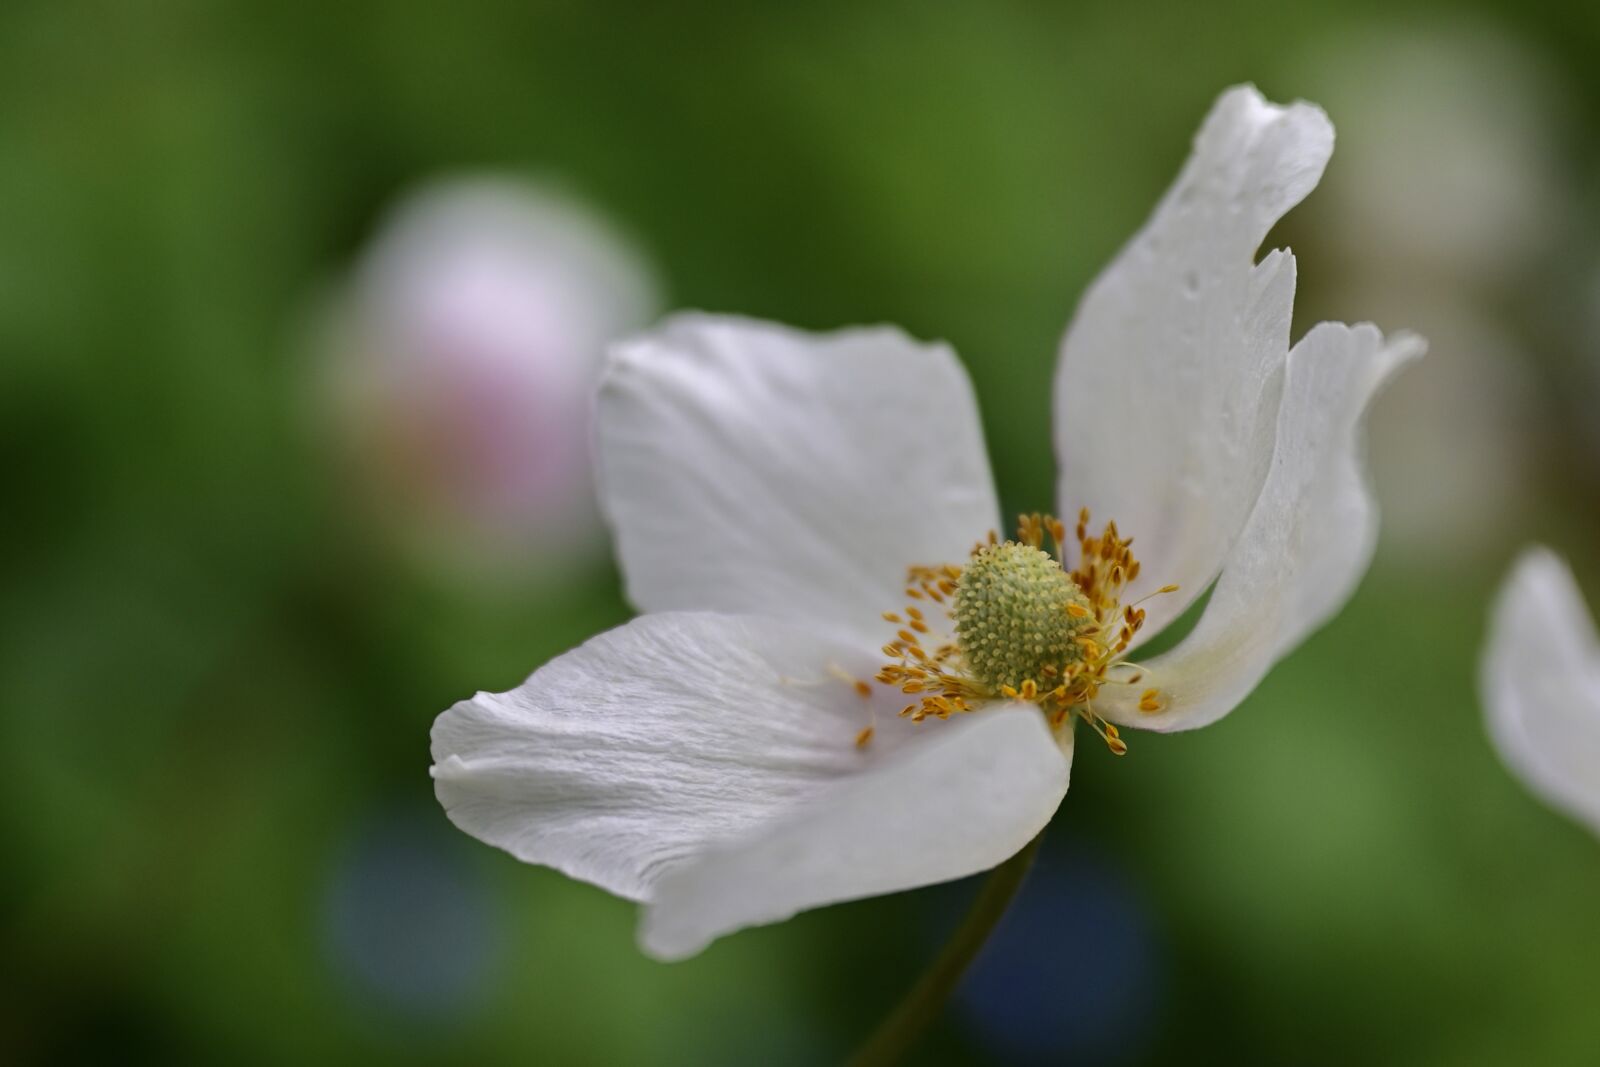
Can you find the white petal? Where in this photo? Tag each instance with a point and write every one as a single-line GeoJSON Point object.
{"type": "Point", "coordinates": [662, 742]}
{"type": "Point", "coordinates": [1171, 372]}
{"type": "Point", "coordinates": [1541, 686]}
{"type": "Point", "coordinates": [1307, 542]}
{"type": "Point", "coordinates": [748, 467]}
{"type": "Point", "coordinates": [968, 799]}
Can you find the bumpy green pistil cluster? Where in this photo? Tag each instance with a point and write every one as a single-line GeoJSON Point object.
{"type": "Point", "coordinates": [1014, 617]}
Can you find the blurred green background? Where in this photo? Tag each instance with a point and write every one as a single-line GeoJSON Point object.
{"type": "Point", "coordinates": [219, 836]}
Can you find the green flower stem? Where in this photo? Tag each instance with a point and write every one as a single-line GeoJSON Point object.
{"type": "Point", "coordinates": [900, 1030]}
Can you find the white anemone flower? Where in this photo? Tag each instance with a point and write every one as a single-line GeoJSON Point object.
{"type": "Point", "coordinates": [808, 523]}
{"type": "Point", "coordinates": [1541, 686]}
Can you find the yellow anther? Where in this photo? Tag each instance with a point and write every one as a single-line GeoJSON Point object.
{"type": "Point", "coordinates": [1026, 627]}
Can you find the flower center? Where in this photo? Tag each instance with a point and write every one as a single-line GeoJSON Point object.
{"type": "Point", "coordinates": [1021, 626]}
{"type": "Point", "coordinates": [1018, 617]}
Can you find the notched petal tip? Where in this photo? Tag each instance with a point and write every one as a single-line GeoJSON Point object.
{"type": "Point", "coordinates": [1263, 157]}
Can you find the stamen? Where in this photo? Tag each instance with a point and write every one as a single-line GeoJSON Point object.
{"type": "Point", "coordinates": [1108, 732]}
{"type": "Point", "coordinates": [1025, 627]}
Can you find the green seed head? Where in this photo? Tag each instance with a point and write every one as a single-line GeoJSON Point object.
{"type": "Point", "coordinates": [1013, 617]}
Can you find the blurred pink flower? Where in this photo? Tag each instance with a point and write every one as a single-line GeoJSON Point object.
{"type": "Point", "coordinates": [463, 357]}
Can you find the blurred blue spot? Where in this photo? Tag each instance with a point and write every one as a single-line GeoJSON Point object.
{"type": "Point", "coordinates": [1074, 972]}
{"type": "Point", "coordinates": [408, 922]}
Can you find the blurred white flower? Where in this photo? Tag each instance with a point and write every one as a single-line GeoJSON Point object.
{"type": "Point", "coordinates": [1448, 195]}
{"type": "Point", "coordinates": [1453, 165]}
{"type": "Point", "coordinates": [1541, 686]}
{"type": "Point", "coordinates": [746, 749]}
{"type": "Point", "coordinates": [1470, 428]}
{"type": "Point", "coordinates": [463, 358]}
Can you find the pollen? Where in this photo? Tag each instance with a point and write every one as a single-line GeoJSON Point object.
{"type": "Point", "coordinates": [1019, 618]}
